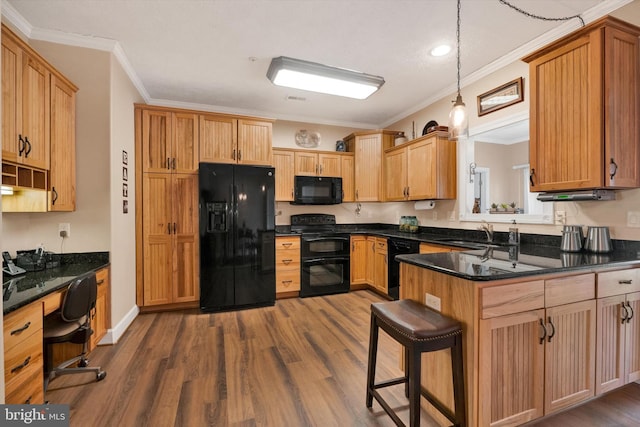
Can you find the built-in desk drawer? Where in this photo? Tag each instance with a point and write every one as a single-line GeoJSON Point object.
{"type": "Point", "coordinates": [20, 324]}
{"type": "Point", "coordinates": [22, 358]}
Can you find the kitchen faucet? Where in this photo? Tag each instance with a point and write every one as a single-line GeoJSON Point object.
{"type": "Point", "coordinates": [488, 229]}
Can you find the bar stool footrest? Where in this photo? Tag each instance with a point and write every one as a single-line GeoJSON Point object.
{"type": "Point", "coordinates": [388, 383]}
{"type": "Point", "coordinates": [438, 405]}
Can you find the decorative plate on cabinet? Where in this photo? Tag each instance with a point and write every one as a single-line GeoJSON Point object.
{"type": "Point", "coordinates": [307, 139]}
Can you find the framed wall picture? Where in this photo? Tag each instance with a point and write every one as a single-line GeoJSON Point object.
{"type": "Point", "coordinates": [500, 97]}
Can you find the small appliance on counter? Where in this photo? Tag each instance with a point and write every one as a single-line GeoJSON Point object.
{"type": "Point", "coordinates": [598, 240]}
{"type": "Point", "coordinates": [37, 259]}
{"type": "Point", "coordinates": [572, 238]}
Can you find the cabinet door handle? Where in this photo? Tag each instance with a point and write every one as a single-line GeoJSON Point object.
{"type": "Point", "coordinates": [23, 328]}
{"type": "Point", "coordinates": [357, 194]}
{"type": "Point", "coordinates": [233, 155]}
{"type": "Point", "coordinates": [168, 228]}
{"type": "Point", "coordinates": [321, 169]}
{"type": "Point", "coordinates": [287, 244]}
{"type": "Point", "coordinates": [55, 196]}
{"type": "Point", "coordinates": [21, 145]}
{"type": "Point", "coordinates": [239, 155]}
{"type": "Point", "coordinates": [100, 282]}
{"type": "Point", "coordinates": [28, 401]}
{"type": "Point", "coordinates": [287, 282]}
{"type": "Point", "coordinates": [631, 314]}
{"type": "Point", "coordinates": [625, 282]}
{"type": "Point", "coordinates": [173, 163]}
{"type": "Point", "coordinates": [625, 315]}
{"type": "Point", "coordinates": [531, 174]}
{"type": "Point", "coordinates": [168, 163]}
{"type": "Point", "coordinates": [353, 246]}
{"type": "Point", "coordinates": [174, 228]}
{"type": "Point", "coordinates": [553, 330]}
{"type": "Point", "coordinates": [544, 331]}
{"type": "Point", "coordinates": [287, 261]}
{"type": "Point", "coordinates": [22, 365]}
{"type": "Point", "coordinates": [28, 150]}
{"type": "Point", "coordinates": [408, 192]}
{"type": "Point", "coordinates": [613, 168]}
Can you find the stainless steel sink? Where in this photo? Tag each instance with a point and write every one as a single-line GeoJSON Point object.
{"type": "Point", "coordinates": [468, 244]}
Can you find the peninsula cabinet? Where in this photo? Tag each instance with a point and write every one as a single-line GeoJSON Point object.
{"type": "Point", "coordinates": [283, 162]}
{"type": "Point", "coordinates": [368, 147]}
{"type": "Point", "coordinates": [529, 343]}
{"type": "Point", "coordinates": [585, 112]}
{"type": "Point", "coordinates": [229, 139]}
{"type": "Point", "coordinates": [618, 329]}
{"type": "Point", "coordinates": [25, 103]}
{"type": "Point", "coordinates": [421, 169]}
{"type": "Point", "coordinates": [170, 239]}
{"type": "Point", "coordinates": [169, 140]}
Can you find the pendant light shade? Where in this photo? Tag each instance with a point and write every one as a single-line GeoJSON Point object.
{"type": "Point", "coordinates": [458, 117]}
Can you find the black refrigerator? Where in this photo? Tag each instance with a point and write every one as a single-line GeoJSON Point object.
{"type": "Point", "coordinates": [237, 236]}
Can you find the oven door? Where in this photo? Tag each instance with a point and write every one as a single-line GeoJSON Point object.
{"type": "Point", "coordinates": [325, 246]}
{"type": "Point", "coordinates": [323, 276]}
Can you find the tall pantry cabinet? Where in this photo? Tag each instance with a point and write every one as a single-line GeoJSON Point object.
{"type": "Point", "coordinates": [168, 142]}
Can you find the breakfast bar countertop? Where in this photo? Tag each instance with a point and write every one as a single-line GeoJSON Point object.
{"type": "Point", "coordinates": [18, 291]}
{"type": "Point", "coordinates": [505, 262]}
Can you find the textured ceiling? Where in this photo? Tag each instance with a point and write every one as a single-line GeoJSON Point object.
{"type": "Point", "coordinates": [214, 54]}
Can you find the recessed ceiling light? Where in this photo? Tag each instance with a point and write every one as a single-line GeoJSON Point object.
{"type": "Point", "coordinates": [441, 50]}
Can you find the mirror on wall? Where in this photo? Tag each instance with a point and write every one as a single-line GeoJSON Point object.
{"type": "Point", "coordinates": [494, 178]}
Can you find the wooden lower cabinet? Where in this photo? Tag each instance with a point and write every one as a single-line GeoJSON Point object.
{"type": "Point", "coordinates": [358, 260]}
{"type": "Point", "coordinates": [381, 266]}
{"type": "Point", "coordinates": [618, 329]}
{"type": "Point", "coordinates": [287, 266]}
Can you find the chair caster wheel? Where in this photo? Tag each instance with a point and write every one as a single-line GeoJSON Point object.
{"type": "Point", "coordinates": [83, 363]}
{"type": "Point", "coordinates": [100, 375]}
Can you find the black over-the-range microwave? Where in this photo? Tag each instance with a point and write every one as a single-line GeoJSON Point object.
{"type": "Point", "coordinates": [317, 190]}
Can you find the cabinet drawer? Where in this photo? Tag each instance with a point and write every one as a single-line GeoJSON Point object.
{"type": "Point", "coordinates": [510, 299]}
{"type": "Point", "coordinates": [287, 260]}
{"type": "Point", "coordinates": [102, 276]}
{"type": "Point", "coordinates": [22, 323]}
{"type": "Point", "coordinates": [618, 282]}
{"type": "Point", "coordinates": [287, 243]}
{"type": "Point", "coordinates": [21, 359]}
{"type": "Point", "coordinates": [52, 302]}
{"type": "Point", "coordinates": [29, 390]}
{"type": "Point", "coordinates": [569, 289]}
{"type": "Point", "coordinates": [381, 244]}
{"type": "Point", "coordinates": [288, 280]}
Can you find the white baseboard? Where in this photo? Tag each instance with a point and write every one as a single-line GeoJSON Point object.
{"type": "Point", "coordinates": [114, 334]}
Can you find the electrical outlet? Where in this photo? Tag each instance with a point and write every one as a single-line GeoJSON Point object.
{"type": "Point", "coordinates": [633, 219]}
{"type": "Point", "coordinates": [64, 229]}
{"type": "Point", "coordinates": [432, 301]}
{"type": "Point", "coordinates": [561, 217]}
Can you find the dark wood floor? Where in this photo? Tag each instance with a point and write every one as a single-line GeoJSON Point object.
{"type": "Point", "coordinates": [302, 362]}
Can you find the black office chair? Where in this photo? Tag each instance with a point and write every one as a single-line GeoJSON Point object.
{"type": "Point", "coordinates": [72, 323]}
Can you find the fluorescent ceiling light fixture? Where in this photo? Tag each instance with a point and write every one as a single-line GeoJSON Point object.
{"type": "Point", "coordinates": [7, 191]}
{"type": "Point", "coordinates": [305, 75]}
{"type": "Point", "coordinates": [441, 50]}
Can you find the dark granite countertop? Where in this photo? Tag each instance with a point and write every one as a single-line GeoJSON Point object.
{"type": "Point", "coordinates": [18, 291]}
{"type": "Point", "coordinates": [504, 262]}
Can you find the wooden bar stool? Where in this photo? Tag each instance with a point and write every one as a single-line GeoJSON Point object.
{"type": "Point", "coordinates": [419, 329]}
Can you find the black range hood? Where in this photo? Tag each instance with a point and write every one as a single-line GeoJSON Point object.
{"type": "Point", "coordinates": [576, 196]}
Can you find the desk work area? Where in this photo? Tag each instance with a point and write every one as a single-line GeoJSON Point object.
{"type": "Point", "coordinates": [30, 301]}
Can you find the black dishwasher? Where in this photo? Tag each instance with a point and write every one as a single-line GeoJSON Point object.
{"type": "Point", "coordinates": [398, 247]}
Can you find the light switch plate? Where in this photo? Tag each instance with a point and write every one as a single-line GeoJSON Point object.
{"type": "Point", "coordinates": [633, 219]}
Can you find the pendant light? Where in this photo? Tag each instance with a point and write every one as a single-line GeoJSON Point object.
{"type": "Point", "coordinates": [458, 117]}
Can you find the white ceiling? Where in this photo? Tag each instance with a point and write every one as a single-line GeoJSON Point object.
{"type": "Point", "coordinates": [214, 54]}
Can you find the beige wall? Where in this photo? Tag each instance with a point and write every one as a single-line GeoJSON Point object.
{"type": "Point", "coordinates": [123, 226]}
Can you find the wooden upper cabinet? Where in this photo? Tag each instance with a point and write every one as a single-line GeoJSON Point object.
{"type": "Point", "coordinates": [25, 104]}
{"type": "Point", "coordinates": [254, 142]}
{"type": "Point", "coordinates": [347, 165]}
{"type": "Point", "coordinates": [226, 139]}
{"type": "Point", "coordinates": [218, 139]}
{"type": "Point", "coordinates": [62, 176]}
{"type": "Point", "coordinates": [283, 161]}
{"type": "Point", "coordinates": [169, 141]}
{"type": "Point", "coordinates": [313, 163]}
{"type": "Point", "coordinates": [422, 169]}
{"type": "Point", "coordinates": [585, 115]}
{"type": "Point", "coordinates": [368, 148]}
